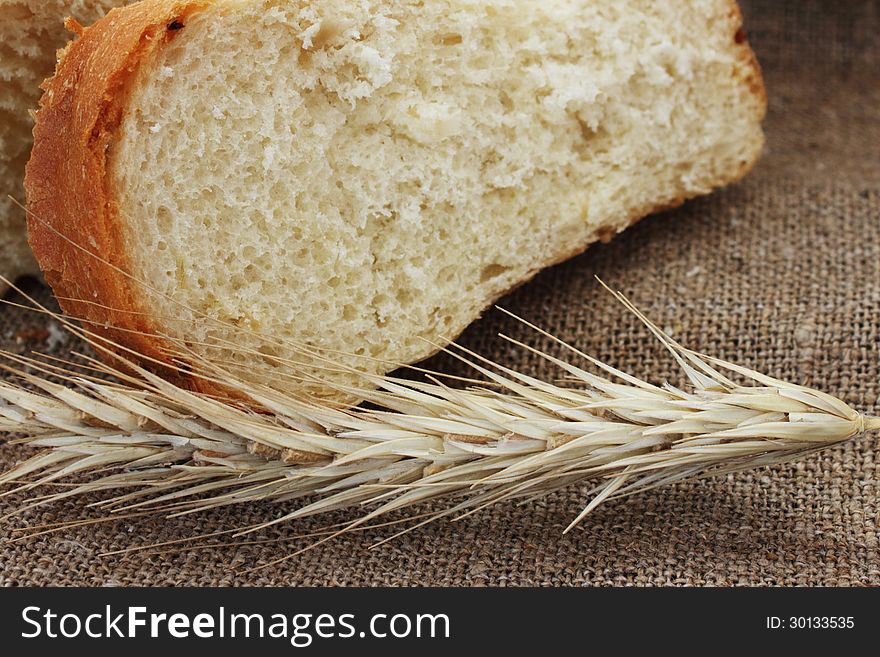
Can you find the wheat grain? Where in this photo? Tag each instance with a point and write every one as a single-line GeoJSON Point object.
{"type": "Point", "coordinates": [162, 448]}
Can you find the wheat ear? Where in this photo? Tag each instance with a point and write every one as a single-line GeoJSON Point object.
{"type": "Point", "coordinates": [165, 449]}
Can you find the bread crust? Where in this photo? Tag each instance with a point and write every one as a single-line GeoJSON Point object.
{"type": "Point", "coordinates": [81, 110]}
{"type": "Point", "coordinates": [73, 224]}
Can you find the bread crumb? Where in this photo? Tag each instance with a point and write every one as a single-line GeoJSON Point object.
{"type": "Point", "coordinates": [58, 336]}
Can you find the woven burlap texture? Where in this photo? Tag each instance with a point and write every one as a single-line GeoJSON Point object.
{"type": "Point", "coordinates": [780, 273]}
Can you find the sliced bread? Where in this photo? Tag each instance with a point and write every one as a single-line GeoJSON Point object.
{"type": "Point", "coordinates": [362, 178]}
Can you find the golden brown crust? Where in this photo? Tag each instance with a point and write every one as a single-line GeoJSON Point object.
{"type": "Point", "coordinates": [749, 72]}
{"type": "Point", "coordinates": [67, 178]}
{"type": "Point", "coordinates": [71, 211]}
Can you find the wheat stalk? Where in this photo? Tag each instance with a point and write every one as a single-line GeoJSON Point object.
{"type": "Point", "coordinates": [162, 448]}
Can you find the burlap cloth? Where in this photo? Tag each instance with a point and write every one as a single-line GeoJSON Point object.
{"type": "Point", "coordinates": [780, 273]}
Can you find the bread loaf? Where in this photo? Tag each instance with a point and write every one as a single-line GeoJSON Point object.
{"type": "Point", "coordinates": [31, 31]}
{"type": "Point", "coordinates": [362, 178]}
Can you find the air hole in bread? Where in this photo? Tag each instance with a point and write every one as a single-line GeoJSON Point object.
{"type": "Point", "coordinates": [493, 271]}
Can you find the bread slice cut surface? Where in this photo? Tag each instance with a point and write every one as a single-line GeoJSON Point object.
{"type": "Point", "coordinates": [362, 178]}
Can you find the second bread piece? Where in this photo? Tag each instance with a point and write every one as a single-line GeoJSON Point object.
{"type": "Point", "coordinates": [366, 176]}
